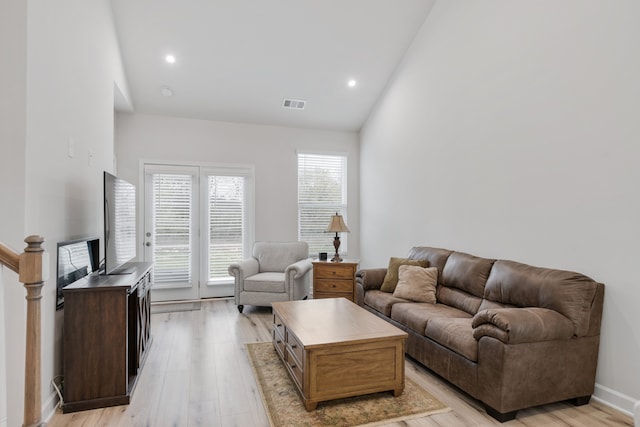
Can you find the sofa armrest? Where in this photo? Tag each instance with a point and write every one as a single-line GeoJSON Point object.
{"type": "Point", "coordinates": [243, 269]}
{"type": "Point", "coordinates": [522, 325]}
{"type": "Point", "coordinates": [298, 269]}
{"type": "Point", "coordinates": [371, 278]}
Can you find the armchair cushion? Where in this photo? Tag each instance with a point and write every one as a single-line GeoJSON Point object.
{"type": "Point", "coordinates": [277, 256]}
{"type": "Point", "coordinates": [265, 282]}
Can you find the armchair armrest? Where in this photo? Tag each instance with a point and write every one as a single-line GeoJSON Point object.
{"type": "Point", "coordinates": [370, 278]}
{"type": "Point", "coordinates": [298, 269]}
{"type": "Point", "coordinates": [522, 325]}
{"type": "Point", "coordinates": [243, 269]}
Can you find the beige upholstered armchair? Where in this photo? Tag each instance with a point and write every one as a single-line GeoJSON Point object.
{"type": "Point", "coordinates": [277, 271]}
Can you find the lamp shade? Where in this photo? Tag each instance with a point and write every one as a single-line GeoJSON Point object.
{"type": "Point", "coordinates": [337, 225]}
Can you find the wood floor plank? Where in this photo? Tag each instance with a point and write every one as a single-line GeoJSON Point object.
{"type": "Point", "coordinates": [197, 374]}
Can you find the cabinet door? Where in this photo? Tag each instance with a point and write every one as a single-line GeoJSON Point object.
{"type": "Point", "coordinates": [139, 323]}
{"type": "Point", "coordinates": [95, 344]}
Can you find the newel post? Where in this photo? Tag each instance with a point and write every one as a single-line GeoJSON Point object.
{"type": "Point", "coordinates": [31, 274]}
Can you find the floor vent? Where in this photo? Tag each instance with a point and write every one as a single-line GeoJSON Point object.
{"type": "Point", "coordinates": [294, 104]}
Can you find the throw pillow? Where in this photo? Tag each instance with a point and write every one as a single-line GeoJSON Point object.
{"type": "Point", "coordinates": [391, 278]}
{"type": "Point", "coordinates": [417, 283]}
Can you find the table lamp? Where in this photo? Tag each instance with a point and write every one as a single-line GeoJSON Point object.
{"type": "Point", "coordinates": [337, 225]}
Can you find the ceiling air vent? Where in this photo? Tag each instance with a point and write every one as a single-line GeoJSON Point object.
{"type": "Point", "coordinates": [294, 104]}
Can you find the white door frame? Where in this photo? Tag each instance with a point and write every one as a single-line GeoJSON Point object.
{"type": "Point", "coordinates": [201, 289]}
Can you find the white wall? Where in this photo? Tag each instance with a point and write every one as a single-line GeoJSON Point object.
{"type": "Point", "coordinates": [271, 149]}
{"type": "Point", "coordinates": [511, 130]}
{"type": "Point", "coordinates": [62, 85]}
{"type": "Point", "coordinates": [13, 39]}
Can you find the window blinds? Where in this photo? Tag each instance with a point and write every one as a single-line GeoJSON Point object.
{"type": "Point", "coordinates": [321, 193]}
{"type": "Point", "coordinates": [226, 223]}
{"type": "Point", "coordinates": [172, 222]}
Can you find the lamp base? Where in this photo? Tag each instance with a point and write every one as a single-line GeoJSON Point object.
{"type": "Point", "coordinates": [336, 245]}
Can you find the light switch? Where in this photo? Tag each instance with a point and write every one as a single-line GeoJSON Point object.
{"type": "Point", "coordinates": [71, 150]}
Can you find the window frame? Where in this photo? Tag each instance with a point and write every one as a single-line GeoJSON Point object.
{"type": "Point", "coordinates": [247, 172]}
{"type": "Point", "coordinates": [341, 208]}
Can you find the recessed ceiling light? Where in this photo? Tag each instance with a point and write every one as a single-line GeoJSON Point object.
{"type": "Point", "coordinates": [352, 83]}
{"type": "Point", "coordinates": [170, 59]}
{"type": "Point", "coordinates": [166, 91]}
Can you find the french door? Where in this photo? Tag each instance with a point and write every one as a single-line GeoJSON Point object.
{"type": "Point", "coordinates": [197, 221]}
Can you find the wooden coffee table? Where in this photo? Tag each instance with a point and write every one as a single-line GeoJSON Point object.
{"type": "Point", "coordinates": [333, 348]}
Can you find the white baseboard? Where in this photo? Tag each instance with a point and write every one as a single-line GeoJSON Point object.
{"type": "Point", "coordinates": [49, 407]}
{"type": "Point", "coordinates": [602, 394]}
{"type": "Point", "coordinates": [3, 422]}
{"type": "Point", "coordinates": [617, 400]}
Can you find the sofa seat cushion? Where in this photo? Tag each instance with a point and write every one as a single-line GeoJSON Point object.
{"type": "Point", "coordinates": [415, 315]}
{"type": "Point", "coordinates": [381, 301]}
{"type": "Point", "coordinates": [454, 334]}
{"type": "Point", "coordinates": [265, 282]}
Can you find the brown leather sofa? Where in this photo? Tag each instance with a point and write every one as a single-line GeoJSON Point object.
{"type": "Point", "coordinates": [510, 335]}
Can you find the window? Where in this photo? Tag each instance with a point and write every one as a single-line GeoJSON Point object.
{"type": "Point", "coordinates": [226, 224]}
{"type": "Point", "coordinates": [322, 191]}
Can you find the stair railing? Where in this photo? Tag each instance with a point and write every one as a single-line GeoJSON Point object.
{"type": "Point", "coordinates": [32, 272]}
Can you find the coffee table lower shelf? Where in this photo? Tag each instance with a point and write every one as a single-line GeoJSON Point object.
{"type": "Point", "coordinates": [340, 368]}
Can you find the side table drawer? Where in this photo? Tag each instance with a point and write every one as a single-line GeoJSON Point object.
{"type": "Point", "coordinates": [336, 271]}
{"type": "Point", "coordinates": [328, 285]}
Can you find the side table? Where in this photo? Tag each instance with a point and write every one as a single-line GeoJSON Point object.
{"type": "Point", "coordinates": [335, 279]}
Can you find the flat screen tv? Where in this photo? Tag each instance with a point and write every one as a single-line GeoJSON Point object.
{"type": "Point", "coordinates": [76, 259]}
{"type": "Point", "coordinates": [119, 224]}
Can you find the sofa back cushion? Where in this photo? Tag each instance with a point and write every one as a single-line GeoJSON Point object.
{"type": "Point", "coordinates": [277, 256]}
{"type": "Point", "coordinates": [435, 257]}
{"type": "Point", "coordinates": [463, 279]}
{"type": "Point", "coordinates": [571, 294]}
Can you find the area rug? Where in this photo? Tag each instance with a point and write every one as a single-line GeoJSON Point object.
{"type": "Point", "coordinates": [285, 408]}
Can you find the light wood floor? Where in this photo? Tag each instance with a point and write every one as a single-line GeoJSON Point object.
{"type": "Point", "coordinates": [197, 374]}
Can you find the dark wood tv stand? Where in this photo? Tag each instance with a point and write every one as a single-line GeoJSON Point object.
{"type": "Point", "coordinates": [106, 337]}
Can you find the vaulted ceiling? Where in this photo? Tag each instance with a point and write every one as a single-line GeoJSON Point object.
{"type": "Point", "coordinates": [238, 60]}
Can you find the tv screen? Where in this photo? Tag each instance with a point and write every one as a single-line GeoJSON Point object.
{"type": "Point", "coordinates": [76, 259]}
{"type": "Point", "coordinates": [119, 224]}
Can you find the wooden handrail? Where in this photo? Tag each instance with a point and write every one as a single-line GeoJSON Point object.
{"type": "Point", "coordinates": [9, 257]}
{"type": "Point", "coordinates": [29, 265]}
